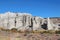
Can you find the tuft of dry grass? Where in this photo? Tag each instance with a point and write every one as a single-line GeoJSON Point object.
{"type": "Point", "coordinates": [4, 38]}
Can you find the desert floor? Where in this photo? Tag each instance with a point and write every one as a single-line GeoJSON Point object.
{"type": "Point", "coordinates": [4, 35]}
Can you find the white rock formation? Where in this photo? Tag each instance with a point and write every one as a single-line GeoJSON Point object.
{"type": "Point", "coordinates": [1, 20]}
{"type": "Point", "coordinates": [25, 21]}
{"type": "Point", "coordinates": [50, 27]}
{"type": "Point", "coordinates": [37, 23]}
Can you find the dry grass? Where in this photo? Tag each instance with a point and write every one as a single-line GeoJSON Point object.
{"type": "Point", "coordinates": [26, 31]}
{"type": "Point", "coordinates": [4, 38]}
{"type": "Point", "coordinates": [26, 35]}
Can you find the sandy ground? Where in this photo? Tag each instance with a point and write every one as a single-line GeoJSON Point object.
{"type": "Point", "coordinates": [27, 36]}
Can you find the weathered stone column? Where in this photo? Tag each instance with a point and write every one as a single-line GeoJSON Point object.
{"type": "Point", "coordinates": [1, 21]}
{"type": "Point", "coordinates": [19, 22]}
{"type": "Point", "coordinates": [50, 27]}
{"type": "Point", "coordinates": [36, 23]}
{"type": "Point", "coordinates": [11, 20]}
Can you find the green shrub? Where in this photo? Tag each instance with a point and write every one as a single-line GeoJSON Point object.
{"type": "Point", "coordinates": [57, 32]}
{"type": "Point", "coordinates": [14, 30]}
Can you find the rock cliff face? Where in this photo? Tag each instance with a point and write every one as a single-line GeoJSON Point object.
{"type": "Point", "coordinates": [25, 21]}
{"type": "Point", "coordinates": [53, 23]}
{"type": "Point", "coordinates": [37, 22]}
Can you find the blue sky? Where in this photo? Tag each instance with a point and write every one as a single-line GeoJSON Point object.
{"type": "Point", "coordinates": [43, 8]}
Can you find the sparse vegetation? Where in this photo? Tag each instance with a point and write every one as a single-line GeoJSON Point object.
{"type": "Point", "coordinates": [27, 31]}
{"type": "Point", "coordinates": [41, 34]}
{"type": "Point", "coordinates": [14, 30]}
{"type": "Point", "coordinates": [44, 31]}
{"type": "Point", "coordinates": [20, 31]}
{"type": "Point", "coordinates": [57, 32]}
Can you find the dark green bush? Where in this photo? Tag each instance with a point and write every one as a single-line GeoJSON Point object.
{"type": "Point", "coordinates": [57, 32]}
{"type": "Point", "coordinates": [14, 30]}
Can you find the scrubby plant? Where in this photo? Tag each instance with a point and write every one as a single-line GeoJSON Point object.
{"type": "Point", "coordinates": [20, 31]}
{"type": "Point", "coordinates": [7, 30]}
{"type": "Point", "coordinates": [27, 31]}
{"type": "Point", "coordinates": [44, 31]}
{"type": "Point", "coordinates": [2, 29]}
{"type": "Point", "coordinates": [57, 32]}
{"type": "Point", "coordinates": [14, 30]}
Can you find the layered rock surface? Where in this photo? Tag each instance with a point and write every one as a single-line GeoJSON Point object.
{"type": "Point", "coordinates": [25, 21]}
